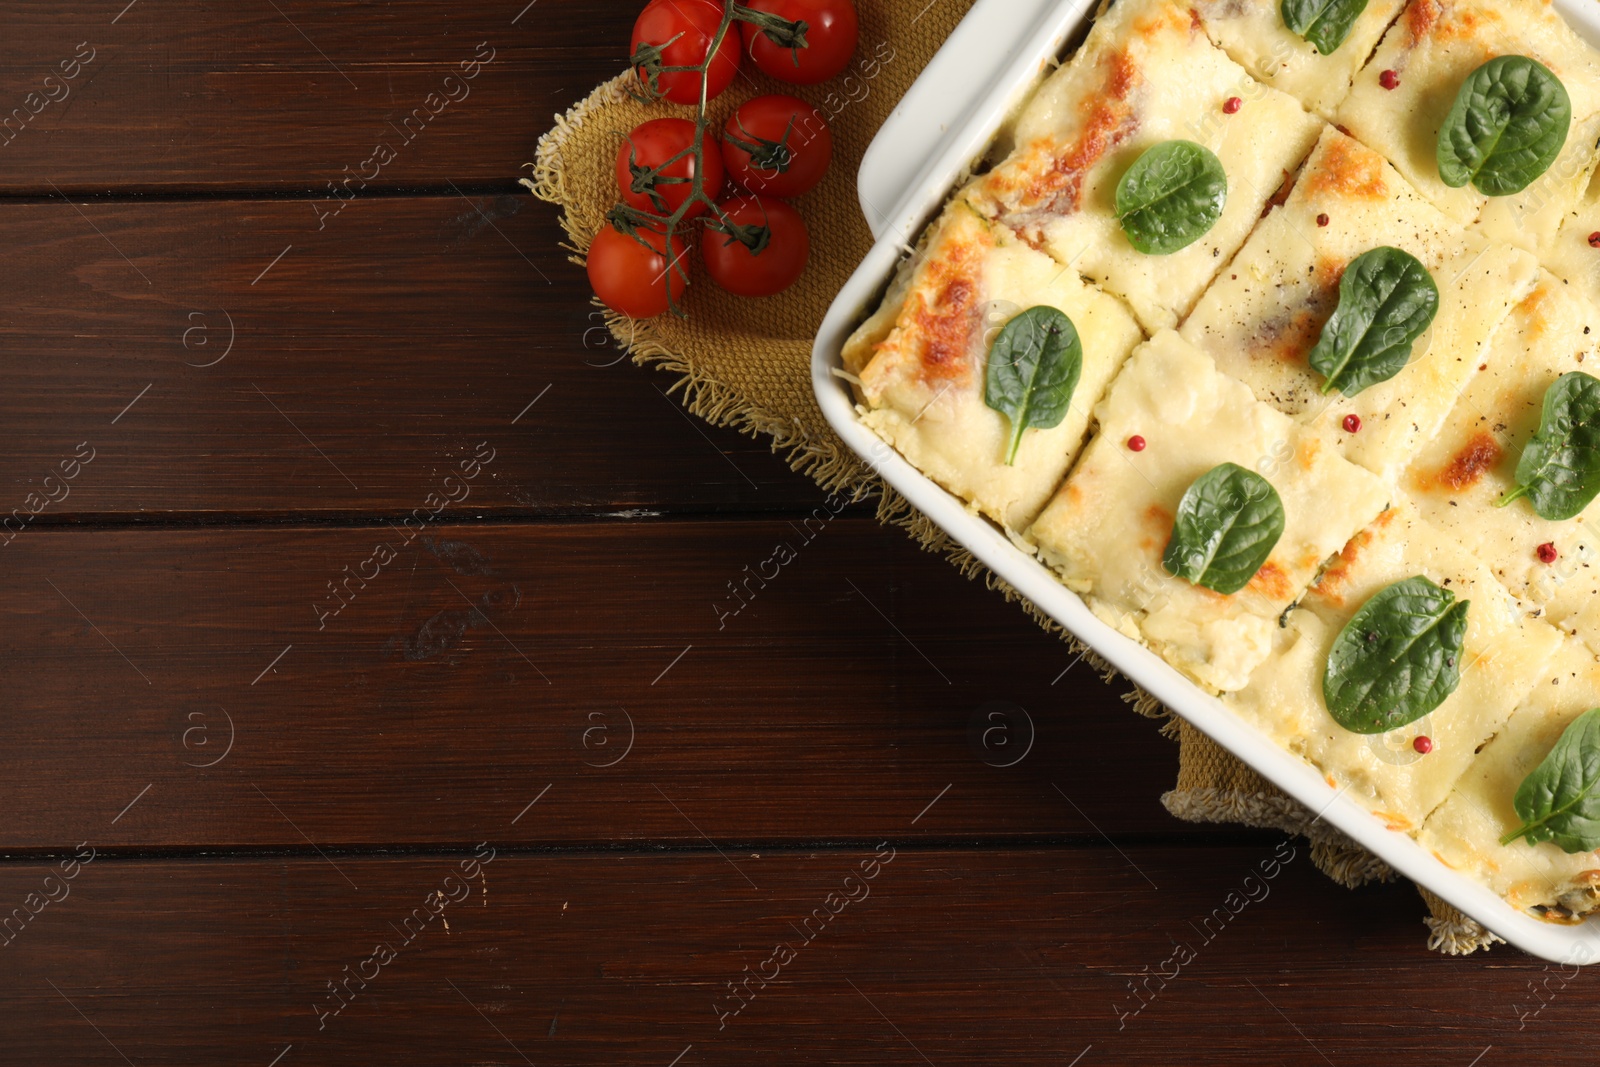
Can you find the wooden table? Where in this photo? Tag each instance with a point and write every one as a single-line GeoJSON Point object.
{"type": "Point", "coordinates": [367, 695]}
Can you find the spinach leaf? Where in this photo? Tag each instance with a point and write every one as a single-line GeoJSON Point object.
{"type": "Point", "coordinates": [1171, 197]}
{"type": "Point", "coordinates": [1560, 469]}
{"type": "Point", "coordinates": [1034, 369]}
{"type": "Point", "coordinates": [1560, 800]}
{"type": "Point", "coordinates": [1387, 299]}
{"type": "Point", "coordinates": [1325, 23]}
{"type": "Point", "coordinates": [1398, 659]}
{"type": "Point", "coordinates": [1509, 123]}
{"type": "Point", "coordinates": [1228, 524]}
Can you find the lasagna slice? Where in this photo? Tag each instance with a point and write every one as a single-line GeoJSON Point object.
{"type": "Point", "coordinates": [1108, 527]}
{"type": "Point", "coordinates": [1426, 57]}
{"type": "Point", "coordinates": [1465, 832]}
{"type": "Point", "coordinates": [1456, 480]}
{"type": "Point", "coordinates": [1505, 653]}
{"type": "Point", "coordinates": [1147, 74]}
{"type": "Point", "coordinates": [1267, 310]}
{"type": "Point", "coordinates": [1253, 32]}
{"type": "Point", "coordinates": [921, 363]}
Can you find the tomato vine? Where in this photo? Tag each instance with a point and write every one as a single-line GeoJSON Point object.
{"type": "Point", "coordinates": [648, 62]}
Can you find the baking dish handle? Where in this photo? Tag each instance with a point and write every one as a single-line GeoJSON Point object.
{"type": "Point", "coordinates": [958, 101]}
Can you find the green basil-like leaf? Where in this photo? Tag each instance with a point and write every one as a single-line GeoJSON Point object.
{"type": "Point", "coordinates": [1560, 469]}
{"type": "Point", "coordinates": [1228, 524]}
{"type": "Point", "coordinates": [1034, 369]}
{"type": "Point", "coordinates": [1387, 299]}
{"type": "Point", "coordinates": [1509, 123]}
{"type": "Point", "coordinates": [1398, 659]}
{"type": "Point", "coordinates": [1560, 800]}
{"type": "Point", "coordinates": [1171, 197]}
{"type": "Point", "coordinates": [1325, 23]}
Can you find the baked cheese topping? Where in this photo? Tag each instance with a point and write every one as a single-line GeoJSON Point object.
{"type": "Point", "coordinates": [1147, 74]}
{"type": "Point", "coordinates": [1466, 830]}
{"type": "Point", "coordinates": [922, 365]}
{"type": "Point", "coordinates": [1253, 33]}
{"type": "Point", "coordinates": [1400, 481]}
{"type": "Point", "coordinates": [1458, 478]}
{"type": "Point", "coordinates": [1107, 529]}
{"type": "Point", "coordinates": [1267, 310]}
{"type": "Point", "coordinates": [1504, 654]}
{"type": "Point", "coordinates": [1430, 52]}
{"type": "Point", "coordinates": [1572, 256]}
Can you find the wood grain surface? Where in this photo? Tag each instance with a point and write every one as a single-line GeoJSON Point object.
{"type": "Point", "coordinates": [209, 96]}
{"type": "Point", "coordinates": [875, 954]}
{"type": "Point", "coordinates": [645, 672]}
{"type": "Point", "coordinates": [432, 329]}
{"type": "Point", "coordinates": [357, 557]}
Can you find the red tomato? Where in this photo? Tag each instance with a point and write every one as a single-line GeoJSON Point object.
{"type": "Point", "coordinates": [684, 30]}
{"type": "Point", "coordinates": [831, 33]}
{"type": "Point", "coordinates": [652, 144]}
{"type": "Point", "coordinates": [791, 142]}
{"type": "Point", "coordinates": [778, 266]}
{"type": "Point", "coordinates": [632, 279]}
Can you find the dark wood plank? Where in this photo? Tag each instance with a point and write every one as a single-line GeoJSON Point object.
{"type": "Point", "coordinates": [364, 364]}
{"type": "Point", "coordinates": [485, 663]}
{"type": "Point", "coordinates": [946, 957]}
{"type": "Point", "coordinates": [195, 94]}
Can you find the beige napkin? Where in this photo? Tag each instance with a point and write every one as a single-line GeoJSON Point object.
{"type": "Point", "coordinates": [746, 364]}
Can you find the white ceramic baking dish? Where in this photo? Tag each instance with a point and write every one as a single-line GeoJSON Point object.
{"type": "Point", "coordinates": [941, 127]}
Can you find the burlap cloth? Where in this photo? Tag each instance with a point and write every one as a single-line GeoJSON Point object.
{"type": "Point", "coordinates": [746, 364]}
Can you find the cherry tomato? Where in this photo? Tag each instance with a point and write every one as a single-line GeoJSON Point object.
{"type": "Point", "coordinates": [652, 144]}
{"type": "Point", "coordinates": [684, 30]}
{"type": "Point", "coordinates": [831, 33]}
{"type": "Point", "coordinates": [632, 279]}
{"type": "Point", "coordinates": [778, 266]}
{"type": "Point", "coordinates": [791, 145]}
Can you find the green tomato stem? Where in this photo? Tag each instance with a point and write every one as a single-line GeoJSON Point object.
{"type": "Point", "coordinates": [671, 224]}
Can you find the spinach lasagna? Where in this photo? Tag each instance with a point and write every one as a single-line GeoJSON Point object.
{"type": "Point", "coordinates": [1273, 336]}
